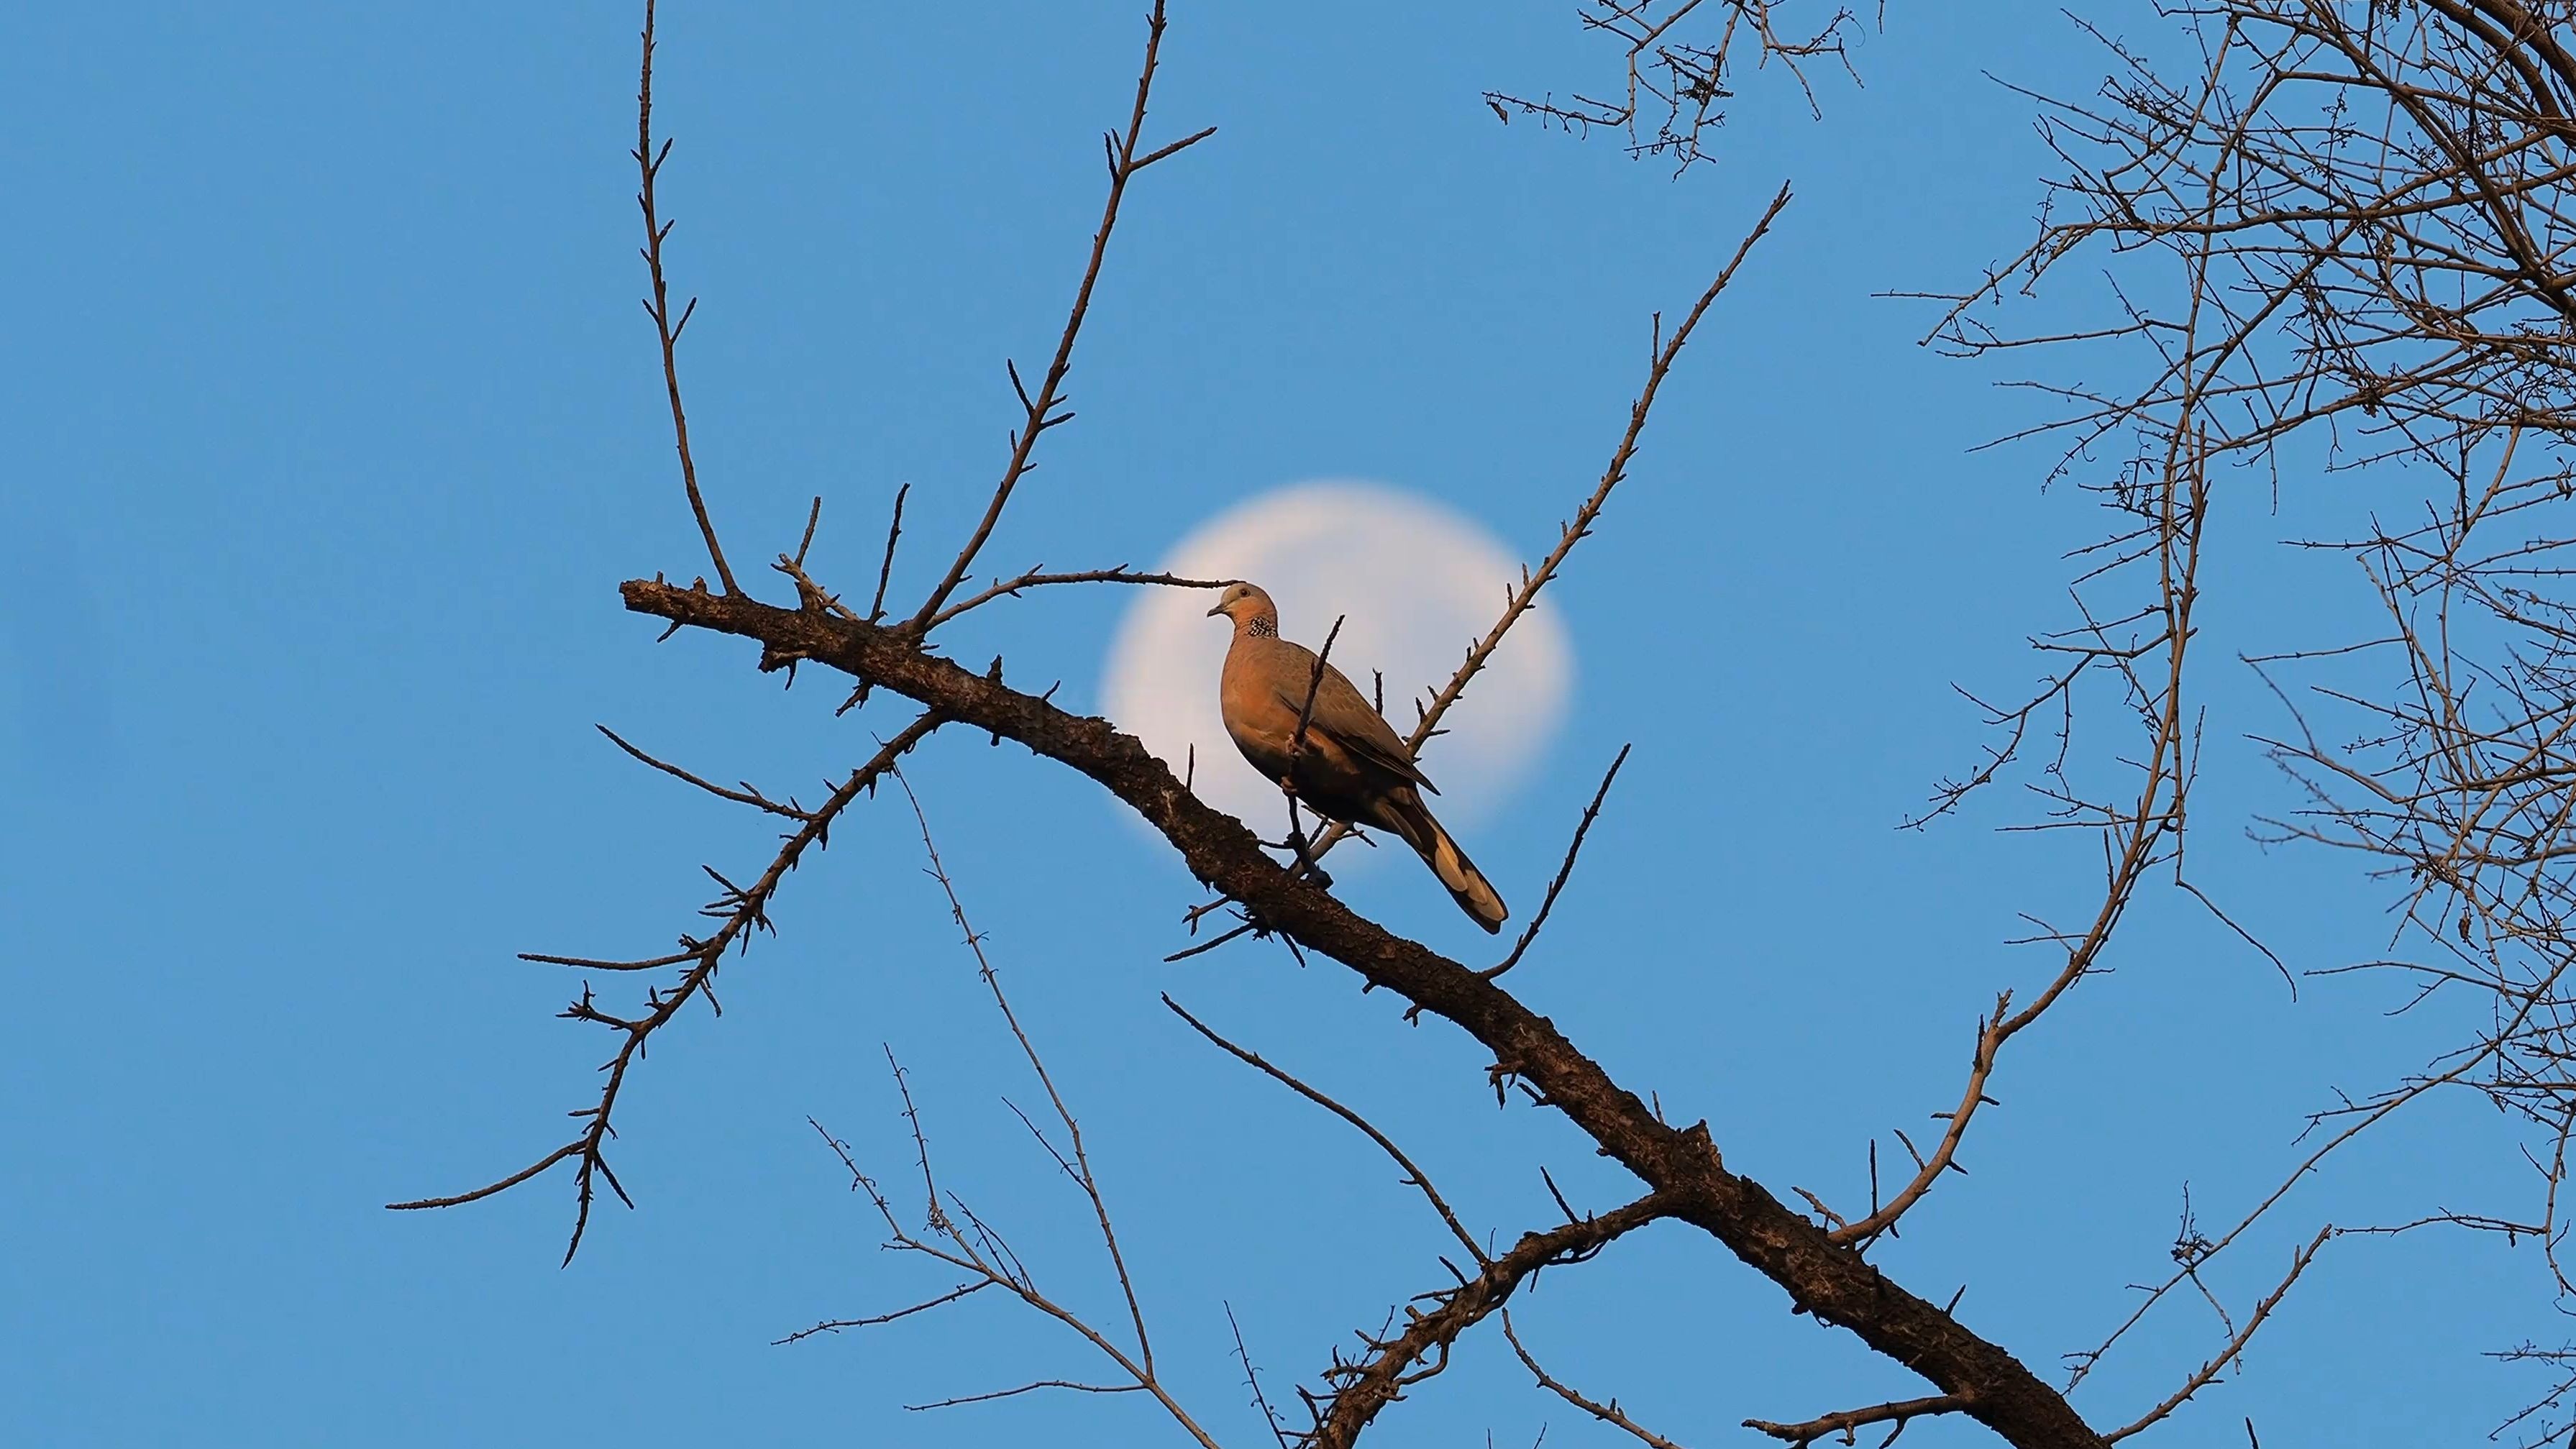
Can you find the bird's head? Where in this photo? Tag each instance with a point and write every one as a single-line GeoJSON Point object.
{"type": "Point", "coordinates": [1244, 603]}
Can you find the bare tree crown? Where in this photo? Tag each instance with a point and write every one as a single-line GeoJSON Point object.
{"type": "Point", "coordinates": [2347, 229]}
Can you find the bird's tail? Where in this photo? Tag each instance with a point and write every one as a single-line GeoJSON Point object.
{"type": "Point", "coordinates": [1467, 885]}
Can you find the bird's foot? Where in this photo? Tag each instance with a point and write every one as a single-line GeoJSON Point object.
{"type": "Point", "coordinates": [1301, 854]}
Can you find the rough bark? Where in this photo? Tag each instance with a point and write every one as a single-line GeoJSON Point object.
{"type": "Point", "coordinates": [1835, 1283]}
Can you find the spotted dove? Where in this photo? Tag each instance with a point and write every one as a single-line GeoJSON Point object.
{"type": "Point", "coordinates": [1351, 765]}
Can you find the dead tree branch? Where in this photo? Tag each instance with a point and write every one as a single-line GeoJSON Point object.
{"type": "Point", "coordinates": [1428, 714]}
{"type": "Point", "coordinates": [742, 909]}
{"type": "Point", "coordinates": [2208, 1372]}
{"type": "Point", "coordinates": [1121, 574]}
{"type": "Point", "coordinates": [648, 165]}
{"type": "Point", "coordinates": [1413, 1175]}
{"type": "Point", "coordinates": [1079, 1168]}
{"type": "Point", "coordinates": [1564, 872]}
{"type": "Point", "coordinates": [1898, 1412]}
{"type": "Point", "coordinates": [952, 1234]}
{"type": "Point", "coordinates": [1041, 412]}
{"type": "Point", "coordinates": [1832, 1281]}
{"type": "Point", "coordinates": [1677, 74]}
{"type": "Point", "coordinates": [2343, 237]}
{"type": "Point", "coordinates": [1609, 1413]}
{"type": "Point", "coordinates": [1357, 1390]}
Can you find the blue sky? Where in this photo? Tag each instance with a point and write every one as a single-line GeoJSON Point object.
{"type": "Point", "coordinates": [335, 425]}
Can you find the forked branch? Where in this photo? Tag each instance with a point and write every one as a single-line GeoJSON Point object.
{"type": "Point", "coordinates": [1679, 1164]}
{"type": "Point", "coordinates": [742, 910]}
{"type": "Point", "coordinates": [1041, 411]}
{"type": "Point", "coordinates": [952, 1234]}
{"type": "Point", "coordinates": [1359, 1389]}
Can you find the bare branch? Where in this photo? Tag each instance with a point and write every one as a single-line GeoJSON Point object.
{"type": "Point", "coordinates": [1834, 1283]}
{"type": "Point", "coordinates": [1024, 1389]}
{"type": "Point", "coordinates": [1080, 1170]}
{"type": "Point", "coordinates": [1574, 532]}
{"type": "Point", "coordinates": [885, 569]}
{"type": "Point", "coordinates": [1413, 1176]}
{"type": "Point", "coordinates": [744, 796]}
{"type": "Point", "coordinates": [973, 1247]}
{"type": "Point", "coordinates": [1041, 412]}
{"type": "Point", "coordinates": [1609, 1413]}
{"type": "Point", "coordinates": [1564, 872]}
{"type": "Point", "coordinates": [2137, 836]}
{"type": "Point", "coordinates": [1252, 1381]}
{"type": "Point", "coordinates": [1685, 76]}
{"type": "Point", "coordinates": [1898, 1412]}
{"type": "Point", "coordinates": [836, 1325]}
{"type": "Point", "coordinates": [1010, 588]}
{"type": "Point", "coordinates": [2207, 1373]}
{"type": "Point", "coordinates": [648, 165]}
{"type": "Point", "coordinates": [1360, 1390]}
{"type": "Point", "coordinates": [742, 910]}
{"type": "Point", "coordinates": [2350, 229]}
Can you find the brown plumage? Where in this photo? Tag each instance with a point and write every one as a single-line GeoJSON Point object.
{"type": "Point", "coordinates": [1353, 766]}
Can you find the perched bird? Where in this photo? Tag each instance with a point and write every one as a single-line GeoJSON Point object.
{"type": "Point", "coordinates": [1351, 765]}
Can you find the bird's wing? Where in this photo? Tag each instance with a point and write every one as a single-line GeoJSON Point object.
{"type": "Point", "coordinates": [1344, 714]}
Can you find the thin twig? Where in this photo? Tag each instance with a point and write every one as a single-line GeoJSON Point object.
{"type": "Point", "coordinates": [1081, 1170]}
{"type": "Point", "coordinates": [1026, 1389]}
{"type": "Point", "coordinates": [1898, 1412]}
{"type": "Point", "coordinates": [1252, 1381]}
{"type": "Point", "coordinates": [744, 796]}
{"type": "Point", "coordinates": [836, 1325]}
{"type": "Point", "coordinates": [648, 164]}
{"type": "Point", "coordinates": [1609, 1413]}
{"type": "Point", "coordinates": [885, 569]}
{"type": "Point", "coordinates": [813, 520]}
{"type": "Point", "coordinates": [976, 1249]}
{"type": "Point", "coordinates": [2208, 1372]}
{"type": "Point", "coordinates": [1413, 1175]}
{"type": "Point", "coordinates": [1121, 574]}
{"type": "Point", "coordinates": [1534, 580]}
{"type": "Point", "coordinates": [1564, 872]}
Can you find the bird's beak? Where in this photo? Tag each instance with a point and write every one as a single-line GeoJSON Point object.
{"type": "Point", "coordinates": [1219, 609]}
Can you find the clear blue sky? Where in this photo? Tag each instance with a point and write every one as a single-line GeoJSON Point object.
{"type": "Point", "coordinates": [333, 424]}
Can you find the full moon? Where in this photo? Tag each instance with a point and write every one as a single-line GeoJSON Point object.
{"type": "Point", "coordinates": [1415, 585]}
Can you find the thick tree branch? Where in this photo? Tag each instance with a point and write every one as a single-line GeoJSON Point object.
{"type": "Point", "coordinates": [1831, 1281]}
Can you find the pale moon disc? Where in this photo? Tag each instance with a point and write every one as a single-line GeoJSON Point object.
{"type": "Point", "coordinates": [1415, 585]}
